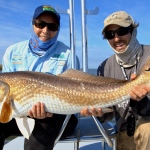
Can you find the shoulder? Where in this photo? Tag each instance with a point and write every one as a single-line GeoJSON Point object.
{"type": "Point", "coordinates": [18, 45]}
{"type": "Point", "coordinates": [107, 63]}
{"type": "Point", "coordinates": [146, 52]}
{"type": "Point", "coordinates": [145, 55]}
{"type": "Point", "coordinates": [146, 46]}
{"type": "Point", "coordinates": [62, 46]}
{"type": "Point", "coordinates": [146, 49]}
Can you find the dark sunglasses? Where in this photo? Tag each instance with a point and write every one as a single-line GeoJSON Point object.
{"type": "Point", "coordinates": [131, 125]}
{"type": "Point", "coordinates": [120, 31]}
{"type": "Point", "coordinates": [41, 24]}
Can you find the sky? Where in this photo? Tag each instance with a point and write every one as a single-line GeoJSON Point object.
{"type": "Point", "coordinates": [16, 15]}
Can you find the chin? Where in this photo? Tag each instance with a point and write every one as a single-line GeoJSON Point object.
{"type": "Point", "coordinates": [121, 50]}
{"type": "Point", "coordinates": [44, 40]}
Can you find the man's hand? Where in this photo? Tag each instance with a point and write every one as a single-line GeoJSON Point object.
{"type": "Point", "coordinates": [38, 111]}
{"type": "Point", "coordinates": [138, 92]}
{"type": "Point", "coordinates": [92, 111]}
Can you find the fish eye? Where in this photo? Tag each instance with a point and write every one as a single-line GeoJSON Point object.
{"type": "Point", "coordinates": [147, 69]}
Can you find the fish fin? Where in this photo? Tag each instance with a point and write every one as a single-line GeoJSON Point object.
{"type": "Point", "coordinates": [5, 104]}
{"type": "Point", "coordinates": [25, 125]}
{"type": "Point", "coordinates": [85, 77]}
{"type": "Point", "coordinates": [145, 67]}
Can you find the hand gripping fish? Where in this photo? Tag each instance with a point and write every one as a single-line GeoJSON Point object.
{"type": "Point", "coordinates": [67, 93]}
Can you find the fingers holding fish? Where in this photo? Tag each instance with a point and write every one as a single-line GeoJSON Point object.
{"type": "Point", "coordinates": [33, 112]}
{"type": "Point", "coordinates": [91, 111]}
{"type": "Point", "coordinates": [147, 88]}
{"type": "Point", "coordinates": [85, 112]}
{"type": "Point", "coordinates": [96, 111]}
{"type": "Point", "coordinates": [139, 92]}
{"type": "Point", "coordinates": [133, 76]}
{"type": "Point", "coordinates": [38, 111]}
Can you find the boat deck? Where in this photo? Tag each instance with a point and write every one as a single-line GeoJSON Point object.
{"type": "Point", "coordinates": [17, 144]}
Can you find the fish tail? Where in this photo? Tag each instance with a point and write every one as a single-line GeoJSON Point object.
{"type": "Point", "coordinates": [5, 104]}
{"type": "Point", "coordinates": [6, 112]}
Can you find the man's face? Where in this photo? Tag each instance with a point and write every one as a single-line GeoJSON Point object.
{"type": "Point", "coordinates": [119, 43]}
{"type": "Point", "coordinates": [44, 34]}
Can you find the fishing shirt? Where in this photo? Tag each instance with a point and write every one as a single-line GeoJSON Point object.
{"type": "Point", "coordinates": [19, 57]}
{"type": "Point", "coordinates": [110, 68]}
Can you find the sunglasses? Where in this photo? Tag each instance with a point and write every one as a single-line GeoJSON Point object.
{"type": "Point", "coordinates": [131, 125]}
{"type": "Point", "coordinates": [41, 24]}
{"type": "Point", "coordinates": [120, 31]}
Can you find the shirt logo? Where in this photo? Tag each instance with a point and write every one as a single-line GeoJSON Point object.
{"type": "Point", "coordinates": [123, 104]}
{"type": "Point", "coordinates": [49, 8]}
{"type": "Point", "coordinates": [17, 60]}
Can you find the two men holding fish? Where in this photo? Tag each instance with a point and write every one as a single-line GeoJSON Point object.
{"type": "Point", "coordinates": [120, 30]}
{"type": "Point", "coordinates": [132, 116]}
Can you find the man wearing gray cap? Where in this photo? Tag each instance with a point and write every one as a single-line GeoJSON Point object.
{"type": "Point", "coordinates": [132, 116]}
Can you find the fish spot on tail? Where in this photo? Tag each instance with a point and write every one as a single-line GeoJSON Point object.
{"type": "Point", "coordinates": [6, 112]}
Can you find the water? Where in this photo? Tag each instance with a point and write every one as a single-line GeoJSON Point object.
{"type": "Point", "coordinates": [92, 71]}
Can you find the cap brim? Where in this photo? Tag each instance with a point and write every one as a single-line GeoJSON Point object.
{"type": "Point", "coordinates": [119, 23]}
{"type": "Point", "coordinates": [51, 13]}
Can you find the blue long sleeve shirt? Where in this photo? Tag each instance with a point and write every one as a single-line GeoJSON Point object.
{"type": "Point", "coordinates": [19, 57]}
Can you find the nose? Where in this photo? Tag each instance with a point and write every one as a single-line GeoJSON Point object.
{"type": "Point", "coordinates": [117, 37]}
{"type": "Point", "coordinates": [45, 29]}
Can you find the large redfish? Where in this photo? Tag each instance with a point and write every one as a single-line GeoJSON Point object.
{"type": "Point", "coordinates": [67, 93]}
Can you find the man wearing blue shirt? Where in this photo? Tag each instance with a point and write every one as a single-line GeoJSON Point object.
{"type": "Point", "coordinates": [41, 53]}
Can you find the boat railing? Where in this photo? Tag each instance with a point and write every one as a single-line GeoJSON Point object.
{"type": "Point", "coordinates": [0, 67]}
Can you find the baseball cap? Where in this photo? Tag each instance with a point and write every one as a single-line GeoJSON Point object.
{"type": "Point", "coordinates": [46, 8]}
{"type": "Point", "coordinates": [119, 18]}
